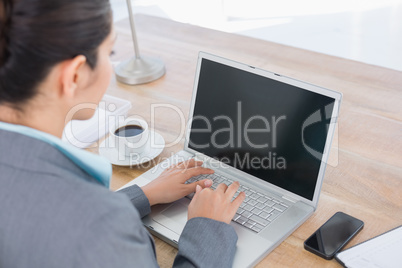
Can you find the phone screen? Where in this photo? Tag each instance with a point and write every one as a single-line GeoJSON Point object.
{"type": "Point", "coordinates": [333, 235]}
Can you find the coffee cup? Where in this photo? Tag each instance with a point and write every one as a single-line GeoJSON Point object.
{"type": "Point", "coordinates": [131, 136]}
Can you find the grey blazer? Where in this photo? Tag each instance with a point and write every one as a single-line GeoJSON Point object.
{"type": "Point", "coordinates": [53, 214]}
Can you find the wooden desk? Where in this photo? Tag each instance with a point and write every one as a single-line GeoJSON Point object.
{"type": "Point", "coordinates": [367, 180]}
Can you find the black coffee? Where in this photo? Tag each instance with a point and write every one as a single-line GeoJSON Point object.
{"type": "Point", "coordinates": [129, 131]}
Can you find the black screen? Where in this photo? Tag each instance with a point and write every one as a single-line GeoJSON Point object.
{"type": "Point", "coordinates": [269, 129]}
{"type": "Point", "coordinates": [334, 234]}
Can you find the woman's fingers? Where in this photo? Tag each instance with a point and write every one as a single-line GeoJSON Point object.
{"type": "Point", "coordinates": [228, 190]}
{"type": "Point", "coordinates": [232, 189]}
{"type": "Point", "coordinates": [237, 201]}
{"type": "Point", "coordinates": [216, 204]}
{"type": "Point", "coordinates": [195, 171]}
{"type": "Point", "coordinates": [221, 188]}
{"type": "Point", "coordinates": [187, 164]}
{"type": "Point", "coordinates": [206, 183]}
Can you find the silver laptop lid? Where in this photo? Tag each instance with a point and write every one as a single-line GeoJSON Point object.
{"type": "Point", "coordinates": [267, 126]}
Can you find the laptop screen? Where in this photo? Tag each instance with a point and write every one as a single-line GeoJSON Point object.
{"type": "Point", "coordinates": [266, 128]}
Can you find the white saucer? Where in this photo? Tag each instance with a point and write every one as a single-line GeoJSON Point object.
{"type": "Point", "coordinates": [154, 147]}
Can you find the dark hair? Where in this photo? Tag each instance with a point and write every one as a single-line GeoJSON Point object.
{"type": "Point", "coordinates": [35, 35]}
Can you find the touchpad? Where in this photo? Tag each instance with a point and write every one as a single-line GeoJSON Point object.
{"type": "Point", "coordinates": [174, 217]}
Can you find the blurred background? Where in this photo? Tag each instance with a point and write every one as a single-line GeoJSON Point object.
{"type": "Point", "coordinates": [368, 31]}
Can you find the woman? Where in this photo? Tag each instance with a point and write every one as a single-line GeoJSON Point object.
{"type": "Point", "coordinates": [55, 208]}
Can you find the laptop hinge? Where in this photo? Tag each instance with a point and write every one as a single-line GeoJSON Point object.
{"type": "Point", "coordinates": [289, 199]}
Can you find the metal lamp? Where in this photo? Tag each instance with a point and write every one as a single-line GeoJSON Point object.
{"type": "Point", "coordinates": [138, 69]}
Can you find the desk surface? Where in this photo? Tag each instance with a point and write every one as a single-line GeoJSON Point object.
{"type": "Point", "coordinates": [364, 177]}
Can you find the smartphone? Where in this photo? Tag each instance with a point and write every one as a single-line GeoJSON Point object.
{"type": "Point", "coordinates": [333, 235]}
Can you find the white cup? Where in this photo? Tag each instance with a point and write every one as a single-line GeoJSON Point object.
{"type": "Point", "coordinates": [131, 136]}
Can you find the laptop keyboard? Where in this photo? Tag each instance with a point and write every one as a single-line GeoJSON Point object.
{"type": "Point", "coordinates": [257, 211]}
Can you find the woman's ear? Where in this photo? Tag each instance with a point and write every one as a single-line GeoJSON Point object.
{"type": "Point", "coordinates": [71, 75]}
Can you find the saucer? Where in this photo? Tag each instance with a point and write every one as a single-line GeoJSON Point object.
{"type": "Point", "coordinates": [154, 147]}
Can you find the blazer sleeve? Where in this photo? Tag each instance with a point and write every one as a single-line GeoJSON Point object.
{"type": "Point", "coordinates": [114, 237]}
{"type": "Point", "coordinates": [138, 199]}
{"type": "Point", "coordinates": [206, 243]}
{"type": "Point", "coordinates": [198, 243]}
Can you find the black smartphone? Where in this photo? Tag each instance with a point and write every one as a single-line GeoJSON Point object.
{"type": "Point", "coordinates": [333, 235]}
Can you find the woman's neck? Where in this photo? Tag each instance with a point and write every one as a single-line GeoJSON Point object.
{"type": "Point", "coordinates": [44, 119]}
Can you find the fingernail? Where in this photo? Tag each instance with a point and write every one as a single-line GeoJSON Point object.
{"type": "Point", "coordinates": [208, 183]}
{"type": "Point", "coordinates": [198, 188]}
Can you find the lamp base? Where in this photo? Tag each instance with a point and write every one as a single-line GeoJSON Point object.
{"type": "Point", "coordinates": [139, 70]}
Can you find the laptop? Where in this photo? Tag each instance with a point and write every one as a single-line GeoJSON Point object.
{"type": "Point", "coordinates": [271, 133]}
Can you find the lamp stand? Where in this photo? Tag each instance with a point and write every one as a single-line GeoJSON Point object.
{"type": "Point", "coordinates": [138, 69]}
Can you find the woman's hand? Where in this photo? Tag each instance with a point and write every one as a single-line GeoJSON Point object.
{"type": "Point", "coordinates": [170, 185]}
{"type": "Point", "coordinates": [216, 205]}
